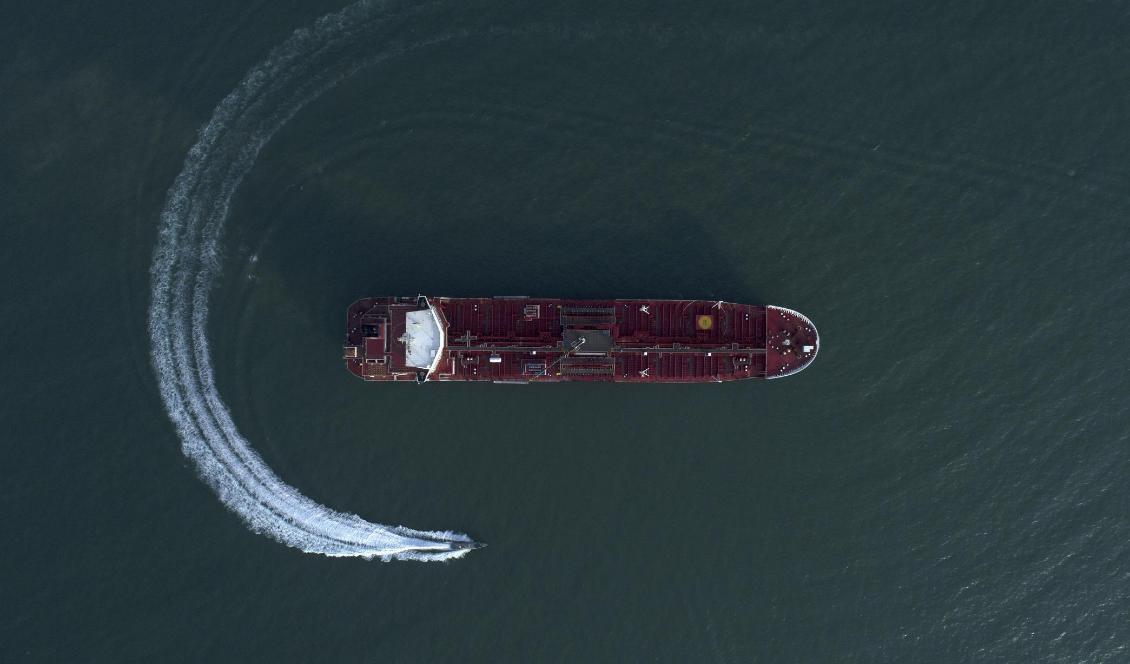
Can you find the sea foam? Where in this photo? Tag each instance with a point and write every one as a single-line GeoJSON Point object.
{"type": "Point", "coordinates": [186, 263]}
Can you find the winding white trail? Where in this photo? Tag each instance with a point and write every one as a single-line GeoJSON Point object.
{"type": "Point", "coordinates": [185, 264]}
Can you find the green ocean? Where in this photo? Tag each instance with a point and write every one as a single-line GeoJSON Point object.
{"type": "Point", "coordinates": [195, 192]}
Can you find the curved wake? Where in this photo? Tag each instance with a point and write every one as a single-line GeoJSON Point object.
{"type": "Point", "coordinates": [185, 263]}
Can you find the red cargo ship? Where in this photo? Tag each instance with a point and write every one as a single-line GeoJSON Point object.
{"type": "Point", "coordinates": [535, 340]}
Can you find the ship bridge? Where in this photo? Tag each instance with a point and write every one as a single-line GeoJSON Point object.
{"type": "Point", "coordinates": [424, 337]}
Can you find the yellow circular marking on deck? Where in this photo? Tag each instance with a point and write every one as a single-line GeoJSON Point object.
{"type": "Point", "coordinates": [705, 322]}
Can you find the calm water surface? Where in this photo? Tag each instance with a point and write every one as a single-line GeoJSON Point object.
{"type": "Point", "coordinates": [943, 189]}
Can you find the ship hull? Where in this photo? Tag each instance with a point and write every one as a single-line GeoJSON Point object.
{"type": "Point", "coordinates": [543, 340]}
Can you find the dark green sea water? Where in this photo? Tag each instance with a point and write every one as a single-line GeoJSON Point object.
{"type": "Point", "coordinates": [942, 187]}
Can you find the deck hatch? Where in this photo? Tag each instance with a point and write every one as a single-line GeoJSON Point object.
{"type": "Point", "coordinates": [588, 342]}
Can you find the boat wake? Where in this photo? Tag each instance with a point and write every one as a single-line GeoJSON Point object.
{"type": "Point", "coordinates": [185, 265]}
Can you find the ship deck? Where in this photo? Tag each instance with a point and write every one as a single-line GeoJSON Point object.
{"type": "Point", "coordinates": [520, 339]}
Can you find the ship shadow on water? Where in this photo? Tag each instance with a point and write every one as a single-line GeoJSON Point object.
{"type": "Point", "coordinates": [353, 252]}
{"type": "Point", "coordinates": [674, 255]}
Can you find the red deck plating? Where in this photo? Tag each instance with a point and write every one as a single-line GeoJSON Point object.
{"type": "Point", "coordinates": [534, 340]}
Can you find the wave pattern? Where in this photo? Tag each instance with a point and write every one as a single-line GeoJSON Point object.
{"type": "Point", "coordinates": [185, 265]}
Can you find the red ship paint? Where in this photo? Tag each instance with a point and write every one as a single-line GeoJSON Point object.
{"type": "Point", "coordinates": [537, 340]}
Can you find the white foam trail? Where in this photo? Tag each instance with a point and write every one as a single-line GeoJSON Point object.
{"type": "Point", "coordinates": [185, 264]}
